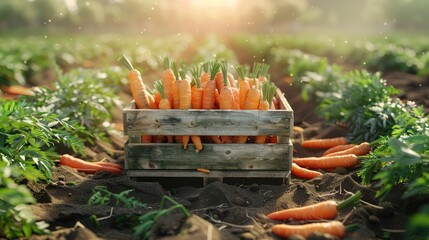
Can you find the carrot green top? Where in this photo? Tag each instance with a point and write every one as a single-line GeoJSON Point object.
{"type": "Point", "coordinates": [124, 60]}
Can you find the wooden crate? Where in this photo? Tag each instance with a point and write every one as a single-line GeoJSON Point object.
{"type": "Point", "coordinates": [223, 160]}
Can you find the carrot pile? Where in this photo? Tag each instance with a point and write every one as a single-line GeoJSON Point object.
{"type": "Point", "coordinates": [211, 86]}
{"type": "Point", "coordinates": [326, 210]}
{"type": "Point", "coordinates": [338, 153]}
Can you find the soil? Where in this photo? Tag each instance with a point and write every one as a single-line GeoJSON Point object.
{"type": "Point", "coordinates": [222, 210]}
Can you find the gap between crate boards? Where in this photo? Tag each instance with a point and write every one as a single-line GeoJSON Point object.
{"type": "Point", "coordinates": [174, 178]}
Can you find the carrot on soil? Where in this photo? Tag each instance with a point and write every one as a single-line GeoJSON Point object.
{"type": "Point", "coordinates": [79, 164]}
{"type": "Point", "coordinates": [304, 173]}
{"type": "Point", "coordinates": [323, 210]}
{"type": "Point", "coordinates": [358, 150]}
{"type": "Point", "coordinates": [328, 162]}
{"type": "Point", "coordinates": [338, 148]}
{"type": "Point", "coordinates": [335, 228]}
{"type": "Point", "coordinates": [324, 142]}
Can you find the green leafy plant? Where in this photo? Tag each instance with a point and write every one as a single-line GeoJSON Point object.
{"type": "Point", "coordinates": [80, 95]}
{"type": "Point", "coordinates": [144, 224]}
{"type": "Point", "coordinates": [418, 226]}
{"type": "Point", "coordinates": [364, 104]}
{"type": "Point", "coordinates": [102, 196]}
{"type": "Point", "coordinates": [16, 218]}
{"type": "Point", "coordinates": [29, 136]}
{"type": "Point", "coordinates": [144, 228]}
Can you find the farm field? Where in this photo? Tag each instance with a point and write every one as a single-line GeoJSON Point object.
{"type": "Point", "coordinates": [235, 210]}
{"type": "Point", "coordinates": [63, 95]}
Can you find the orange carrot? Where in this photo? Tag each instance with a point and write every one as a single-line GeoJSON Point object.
{"type": "Point", "coordinates": [209, 92]}
{"type": "Point", "coordinates": [184, 100]}
{"type": "Point", "coordinates": [268, 91]}
{"type": "Point", "coordinates": [338, 148]}
{"type": "Point", "coordinates": [324, 142]}
{"type": "Point", "coordinates": [73, 162]}
{"type": "Point", "coordinates": [252, 99]}
{"type": "Point", "coordinates": [107, 164]}
{"type": "Point", "coordinates": [327, 162]}
{"type": "Point", "coordinates": [243, 85]}
{"type": "Point", "coordinates": [304, 173]}
{"type": "Point", "coordinates": [209, 89]}
{"type": "Point", "coordinates": [323, 210]}
{"type": "Point", "coordinates": [197, 93]}
{"type": "Point", "coordinates": [335, 228]}
{"type": "Point", "coordinates": [236, 94]}
{"type": "Point", "coordinates": [176, 92]}
{"type": "Point", "coordinates": [231, 80]}
{"type": "Point", "coordinates": [276, 103]}
{"type": "Point", "coordinates": [17, 90]}
{"type": "Point", "coordinates": [157, 97]}
{"type": "Point", "coordinates": [203, 170]}
{"type": "Point", "coordinates": [251, 103]}
{"type": "Point", "coordinates": [220, 82]}
{"type": "Point", "coordinates": [138, 89]}
{"type": "Point", "coordinates": [196, 103]}
{"type": "Point", "coordinates": [226, 97]}
{"type": "Point", "coordinates": [206, 73]}
{"type": "Point", "coordinates": [358, 150]}
{"type": "Point", "coordinates": [168, 79]}
{"type": "Point", "coordinates": [152, 101]}
{"type": "Point", "coordinates": [164, 104]}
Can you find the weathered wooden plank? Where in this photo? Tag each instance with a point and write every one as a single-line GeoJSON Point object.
{"type": "Point", "coordinates": [213, 156]}
{"type": "Point", "coordinates": [213, 173]}
{"type": "Point", "coordinates": [209, 122]}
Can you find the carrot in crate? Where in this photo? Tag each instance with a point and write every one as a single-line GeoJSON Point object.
{"type": "Point", "coordinates": [196, 103]}
{"type": "Point", "coordinates": [205, 73]}
{"type": "Point", "coordinates": [197, 93]}
{"type": "Point", "coordinates": [243, 85]}
{"type": "Point", "coordinates": [252, 101]}
{"type": "Point", "coordinates": [164, 103]}
{"type": "Point", "coordinates": [226, 97]}
{"type": "Point", "coordinates": [209, 92]}
{"type": "Point", "coordinates": [175, 91]}
{"type": "Point", "coordinates": [268, 91]}
{"type": "Point", "coordinates": [184, 94]}
{"type": "Point", "coordinates": [168, 78]}
{"type": "Point", "coordinates": [138, 90]}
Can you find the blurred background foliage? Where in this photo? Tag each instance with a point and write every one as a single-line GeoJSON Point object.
{"type": "Point", "coordinates": [214, 16]}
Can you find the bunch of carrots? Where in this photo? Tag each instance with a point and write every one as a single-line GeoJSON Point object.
{"type": "Point", "coordinates": [325, 210]}
{"type": "Point", "coordinates": [338, 153]}
{"type": "Point", "coordinates": [209, 86]}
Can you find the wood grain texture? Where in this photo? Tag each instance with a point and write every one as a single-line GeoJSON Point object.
{"type": "Point", "coordinates": [212, 157]}
{"type": "Point", "coordinates": [209, 122]}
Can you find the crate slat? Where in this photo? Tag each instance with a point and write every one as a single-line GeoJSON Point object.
{"type": "Point", "coordinates": [211, 176]}
{"type": "Point", "coordinates": [213, 156]}
{"type": "Point", "coordinates": [209, 122]}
